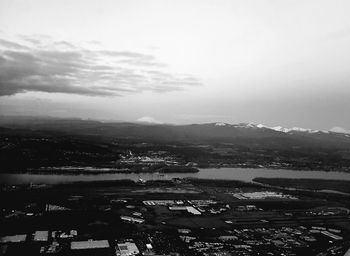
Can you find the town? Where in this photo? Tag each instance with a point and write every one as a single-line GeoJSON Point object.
{"type": "Point", "coordinates": [174, 217]}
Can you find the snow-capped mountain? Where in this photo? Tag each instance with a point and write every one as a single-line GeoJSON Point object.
{"type": "Point", "coordinates": [284, 129]}
{"type": "Point", "coordinates": [221, 124]}
{"type": "Point", "coordinates": [294, 129]}
{"type": "Point", "coordinates": [275, 128]}
{"type": "Point", "coordinates": [340, 130]}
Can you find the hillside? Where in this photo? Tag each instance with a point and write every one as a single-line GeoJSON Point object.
{"type": "Point", "coordinates": [34, 142]}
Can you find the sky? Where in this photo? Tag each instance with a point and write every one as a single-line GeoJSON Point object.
{"type": "Point", "coordinates": [181, 61]}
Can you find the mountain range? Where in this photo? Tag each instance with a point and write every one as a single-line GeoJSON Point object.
{"type": "Point", "coordinates": [242, 133]}
{"type": "Point", "coordinates": [32, 142]}
{"type": "Point", "coordinates": [288, 130]}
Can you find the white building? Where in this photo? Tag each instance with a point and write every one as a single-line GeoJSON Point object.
{"type": "Point", "coordinates": [132, 219]}
{"type": "Point", "coordinates": [41, 236]}
{"type": "Point", "coordinates": [126, 249]}
{"type": "Point", "coordinates": [89, 244]}
{"type": "Point", "coordinates": [13, 239]}
{"type": "Point", "coordinates": [189, 209]}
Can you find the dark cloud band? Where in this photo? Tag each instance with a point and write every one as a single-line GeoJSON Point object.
{"type": "Point", "coordinates": [62, 67]}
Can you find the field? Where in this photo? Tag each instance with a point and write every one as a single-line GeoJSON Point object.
{"type": "Point", "coordinates": [310, 184]}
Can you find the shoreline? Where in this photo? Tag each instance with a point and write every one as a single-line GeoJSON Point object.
{"type": "Point", "coordinates": [96, 171]}
{"type": "Point", "coordinates": [259, 182]}
{"type": "Point", "coordinates": [88, 170]}
{"type": "Point", "coordinates": [244, 174]}
{"type": "Point", "coordinates": [341, 187]}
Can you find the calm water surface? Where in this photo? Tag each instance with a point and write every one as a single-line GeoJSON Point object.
{"type": "Point", "coordinates": [223, 173]}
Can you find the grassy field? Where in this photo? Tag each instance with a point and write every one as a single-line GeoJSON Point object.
{"type": "Point", "coordinates": [312, 184]}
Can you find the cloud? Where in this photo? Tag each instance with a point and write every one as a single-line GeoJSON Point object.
{"type": "Point", "coordinates": [39, 64]}
{"type": "Point", "coordinates": [131, 55]}
{"type": "Point", "coordinates": [12, 45]}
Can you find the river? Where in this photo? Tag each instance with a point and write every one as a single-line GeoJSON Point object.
{"type": "Point", "coordinates": [244, 174]}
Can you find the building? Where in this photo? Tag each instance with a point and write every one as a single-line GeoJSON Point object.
{"type": "Point", "coordinates": [189, 209]}
{"type": "Point", "coordinates": [227, 238]}
{"type": "Point", "coordinates": [64, 235]}
{"type": "Point", "coordinates": [331, 235]}
{"type": "Point", "coordinates": [13, 239]}
{"type": "Point", "coordinates": [90, 248]}
{"type": "Point", "coordinates": [126, 249]}
{"type": "Point", "coordinates": [89, 244]}
{"type": "Point", "coordinates": [163, 202]}
{"type": "Point", "coordinates": [52, 248]}
{"type": "Point", "coordinates": [132, 219]}
{"type": "Point", "coordinates": [52, 208]}
{"type": "Point", "coordinates": [184, 231]}
{"type": "Point", "coordinates": [41, 236]}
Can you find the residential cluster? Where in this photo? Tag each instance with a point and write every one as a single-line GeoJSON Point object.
{"type": "Point", "coordinates": [266, 241]}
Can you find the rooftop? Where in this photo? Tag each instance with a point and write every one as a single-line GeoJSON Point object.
{"type": "Point", "coordinates": [13, 239]}
{"type": "Point", "coordinates": [89, 244]}
{"type": "Point", "coordinates": [127, 249]}
{"type": "Point", "coordinates": [41, 235]}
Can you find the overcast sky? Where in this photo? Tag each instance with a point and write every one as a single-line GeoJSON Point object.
{"type": "Point", "coordinates": [192, 61]}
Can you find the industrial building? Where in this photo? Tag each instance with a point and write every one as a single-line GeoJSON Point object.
{"type": "Point", "coordinates": [132, 219]}
{"type": "Point", "coordinates": [41, 236]}
{"type": "Point", "coordinates": [126, 249]}
{"type": "Point", "coordinates": [91, 248]}
{"type": "Point", "coordinates": [13, 239]}
{"type": "Point", "coordinates": [189, 209]}
{"type": "Point", "coordinates": [89, 244]}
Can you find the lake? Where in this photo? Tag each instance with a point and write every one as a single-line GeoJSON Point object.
{"type": "Point", "coordinates": [244, 174]}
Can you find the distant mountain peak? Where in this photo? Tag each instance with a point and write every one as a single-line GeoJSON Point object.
{"type": "Point", "coordinates": [220, 124]}
{"type": "Point", "coordinates": [278, 128]}
{"type": "Point", "coordinates": [296, 129]}
{"type": "Point", "coordinates": [338, 129]}
{"type": "Point", "coordinates": [148, 120]}
{"type": "Point", "coordinates": [245, 125]}
{"type": "Point", "coordinates": [282, 129]}
{"type": "Point", "coordinates": [261, 126]}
